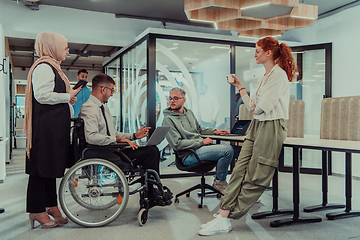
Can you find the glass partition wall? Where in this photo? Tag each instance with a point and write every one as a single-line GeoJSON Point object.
{"type": "Point", "coordinates": [314, 84]}
{"type": "Point", "coordinates": [114, 103]}
{"type": "Point", "coordinates": [147, 70]}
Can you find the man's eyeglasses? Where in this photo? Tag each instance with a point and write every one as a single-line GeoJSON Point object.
{"type": "Point", "coordinates": [175, 98]}
{"type": "Point", "coordinates": [111, 89]}
{"type": "Point", "coordinates": [67, 49]}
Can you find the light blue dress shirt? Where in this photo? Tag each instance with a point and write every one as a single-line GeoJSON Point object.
{"type": "Point", "coordinates": [82, 97]}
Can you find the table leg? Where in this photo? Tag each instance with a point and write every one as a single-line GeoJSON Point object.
{"type": "Point", "coordinates": [275, 193]}
{"type": "Point", "coordinates": [324, 205]}
{"type": "Point", "coordinates": [296, 197]}
{"type": "Point", "coordinates": [348, 183]}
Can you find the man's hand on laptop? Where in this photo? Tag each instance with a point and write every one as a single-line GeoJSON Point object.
{"type": "Point", "coordinates": [207, 141]}
{"type": "Point", "coordinates": [221, 132]}
{"type": "Point", "coordinates": [124, 140]}
{"type": "Point", "coordinates": [142, 132]}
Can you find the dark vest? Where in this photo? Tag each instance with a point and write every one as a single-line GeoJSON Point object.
{"type": "Point", "coordinates": [50, 136]}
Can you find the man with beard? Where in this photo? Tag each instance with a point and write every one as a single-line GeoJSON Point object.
{"type": "Point", "coordinates": [185, 132]}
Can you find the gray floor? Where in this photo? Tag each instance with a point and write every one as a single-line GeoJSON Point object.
{"type": "Point", "coordinates": [182, 220]}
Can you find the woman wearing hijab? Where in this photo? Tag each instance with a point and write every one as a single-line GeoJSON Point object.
{"type": "Point", "coordinates": [47, 128]}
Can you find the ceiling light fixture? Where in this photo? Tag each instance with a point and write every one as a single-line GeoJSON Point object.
{"type": "Point", "coordinates": [242, 16]}
{"type": "Point", "coordinates": [220, 47]}
{"type": "Point", "coordinates": [206, 21]}
{"type": "Point", "coordinates": [311, 18]}
{"type": "Point", "coordinates": [259, 5]}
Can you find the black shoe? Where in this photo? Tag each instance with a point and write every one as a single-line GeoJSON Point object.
{"type": "Point", "coordinates": [157, 199]}
{"type": "Point", "coordinates": [168, 194]}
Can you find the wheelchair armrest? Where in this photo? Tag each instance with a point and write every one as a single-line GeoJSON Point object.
{"type": "Point", "coordinates": [189, 150]}
{"type": "Point", "coordinates": [114, 147]}
{"type": "Point", "coordinates": [110, 146]}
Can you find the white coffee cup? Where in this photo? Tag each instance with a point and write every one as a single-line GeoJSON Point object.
{"type": "Point", "coordinates": [230, 78]}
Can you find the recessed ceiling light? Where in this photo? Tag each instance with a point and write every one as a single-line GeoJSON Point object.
{"type": "Point", "coordinates": [312, 18]}
{"type": "Point", "coordinates": [220, 47]}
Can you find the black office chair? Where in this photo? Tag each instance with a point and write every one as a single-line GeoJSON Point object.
{"type": "Point", "coordinates": [201, 167]}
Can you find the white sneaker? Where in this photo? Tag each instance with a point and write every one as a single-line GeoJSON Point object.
{"type": "Point", "coordinates": [206, 224]}
{"type": "Point", "coordinates": [220, 185]}
{"type": "Point", "coordinates": [219, 225]}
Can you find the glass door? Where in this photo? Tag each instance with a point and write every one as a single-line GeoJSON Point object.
{"type": "Point", "coordinates": [314, 65]}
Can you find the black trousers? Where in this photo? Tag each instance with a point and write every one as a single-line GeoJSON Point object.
{"type": "Point", "coordinates": [41, 193]}
{"type": "Point", "coordinates": [145, 157]}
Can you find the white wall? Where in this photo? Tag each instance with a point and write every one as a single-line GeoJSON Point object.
{"type": "Point", "coordinates": [343, 32]}
{"type": "Point", "coordinates": [2, 110]}
{"type": "Point", "coordinates": [2, 95]}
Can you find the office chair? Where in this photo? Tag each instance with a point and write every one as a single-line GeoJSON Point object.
{"type": "Point", "coordinates": [201, 167]}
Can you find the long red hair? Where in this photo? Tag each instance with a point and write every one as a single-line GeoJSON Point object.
{"type": "Point", "coordinates": [282, 55]}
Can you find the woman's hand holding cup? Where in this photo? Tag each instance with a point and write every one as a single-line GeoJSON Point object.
{"type": "Point", "coordinates": [233, 80]}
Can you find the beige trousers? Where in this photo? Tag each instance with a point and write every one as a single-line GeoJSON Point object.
{"type": "Point", "coordinates": [255, 166]}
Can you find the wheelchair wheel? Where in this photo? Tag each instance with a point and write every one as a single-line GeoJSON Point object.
{"type": "Point", "coordinates": [142, 216]}
{"type": "Point", "coordinates": [93, 192]}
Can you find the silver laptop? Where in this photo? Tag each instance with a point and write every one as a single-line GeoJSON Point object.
{"type": "Point", "coordinates": [157, 136]}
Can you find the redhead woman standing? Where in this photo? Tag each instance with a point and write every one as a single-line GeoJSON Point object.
{"type": "Point", "coordinates": [47, 128]}
{"type": "Point", "coordinates": [259, 155]}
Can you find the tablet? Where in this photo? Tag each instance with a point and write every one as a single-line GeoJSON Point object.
{"type": "Point", "coordinates": [80, 83]}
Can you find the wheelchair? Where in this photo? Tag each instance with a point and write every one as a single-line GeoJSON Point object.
{"type": "Point", "coordinates": [95, 191]}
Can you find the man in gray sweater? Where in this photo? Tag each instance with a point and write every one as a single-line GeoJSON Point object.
{"type": "Point", "coordinates": [185, 132]}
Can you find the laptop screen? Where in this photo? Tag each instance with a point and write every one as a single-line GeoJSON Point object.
{"type": "Point", "coordinates": [240, 127]}
{"type": "Point", "coordinates": [157, 136]}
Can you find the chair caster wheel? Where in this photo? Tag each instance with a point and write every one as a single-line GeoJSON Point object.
{"type": "Point", "coordinates": [176, 200]}
{"type": "Point", "coordinates": [218, 196]}
{"type": "Point", "coordinates": [200, 206]}
{"type": "Point", "coordinates": [142, 216]}
{"type": "Point", "coordinates": [188, 195]}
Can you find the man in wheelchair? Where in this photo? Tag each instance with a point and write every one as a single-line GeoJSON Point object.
{"type": "Point", "coordinates": [101, 134]}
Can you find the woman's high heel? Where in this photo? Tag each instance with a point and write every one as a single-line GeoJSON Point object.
{"type": "Point", "coordinates": [52, 211]}
{"type": "Point", "coordinates": [37, 216]}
